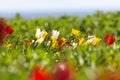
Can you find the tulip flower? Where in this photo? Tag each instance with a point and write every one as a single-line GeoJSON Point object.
{"type": "Point", "coordinates": [61, 41]}
{"type": "Point", "coordinates": [81, 41]}
{"type": "Point", "coordinates": [62, 71]}
{"type": "Point", "coordinates": [67, 43]}
{"type": "Point", "coordinates": [75, 32]}
{"type": "Point", "coordinates": [39, 73]}
{"type": "Point", "coordinates": [74, 45]}
{"type": "Point", "coordinates": [54, 43]}
{"type": "Point", "coordinates": [40, 35]}
{"type": "Point", "coordinates": [55, 34]}
{"type": "Point", "coordinates": [8, 45]}
{"type": "Point", "coordinates": [90, 39]}
{"type": "Point", "coordinates": [106, 38]}
{"type": "Point", "coordinates": [109, 39]}
{"type": "Point", "coordinates": [96, 41]}
{"type": "Point", "coordinates": [9, 30]}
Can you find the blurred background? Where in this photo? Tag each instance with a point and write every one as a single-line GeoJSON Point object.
{"type": "Point", "coordinates": [56, 8]}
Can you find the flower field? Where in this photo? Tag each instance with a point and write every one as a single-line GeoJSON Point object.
{"type": "Point", "coordinates": [64, 48]}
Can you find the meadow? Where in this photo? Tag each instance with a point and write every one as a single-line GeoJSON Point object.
{"type": "Point", "coordinates": [87, 47]}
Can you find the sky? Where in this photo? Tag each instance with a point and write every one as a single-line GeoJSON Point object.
{"type": "Point", "coordinates": [57, 5]}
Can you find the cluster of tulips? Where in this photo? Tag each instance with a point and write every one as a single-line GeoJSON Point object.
{"type": "Point", "coordinates": [74, 40]}
{"type": "Point", "coordinates": [53, 40]}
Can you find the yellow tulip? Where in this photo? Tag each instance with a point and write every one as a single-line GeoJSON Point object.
{"type": "Point", "coordinates": [9, 45]}
{"type": "Point", "coordinates": [96, 41]}
{"type": "Point", "coordinates": [45, 34]}
{"type": "Point", "coordinates": [81, 41]}
{"type": "Point", "coordinates": [75, 32]}
{"type": "Point", "coordinates": [54, 43]}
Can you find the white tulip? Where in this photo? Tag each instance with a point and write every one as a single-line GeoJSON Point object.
{"type": "Point", "coordinates": [91, 39]}
{"type": "Point", "coordinates": [39, 33]}
{"type": "Point", "coordinates": [40, 40]}
{"type": "Point", "coordinates": [55, 33]}
{"type": "Point", "coordinates": [74, 45]}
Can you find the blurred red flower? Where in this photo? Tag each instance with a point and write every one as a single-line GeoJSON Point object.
{"type": "Point", "coordinates": [39, 73]}
{"type": "Point", "coordinates": [62, 71]}
{"type": "Point", "coordinates": [109, 39]}
{"type": "Point", "coordinates": [67, 43]}
{"type": "Point", "coordinates": [9, 30]}
{"type": "Point", "coordinates": [60, 42]}
{"type": "Point", "coordinates": [2, 30]}
{"type": "Point", "coordinates": [106, 38]}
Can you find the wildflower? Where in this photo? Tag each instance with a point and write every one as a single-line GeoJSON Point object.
{"type": "Point", "coordinates": [74, 45]}
{"type": "Point", "coordinates": [96, 41]}
{"type": "Point", "coordinates": [62, 71]}
{"type": "Point", "coordinates": [54, 43]}
{"type": "Point", "coordinates": [67, 43]}
{"type": "Point", "coordinates": [61, 41]}
{"type": "Point", "coordinates": [109, 39]}
{"type": "Point", "coordinates": [45, 34]}
{"type": "Point", "coordinates": [40, 35]}
{"type": "Point", "coordinates": [90, 39]}
{"type": "Point", "coordinates": [75, 32]}
{"type": "Point", "coordinates": [81, 41]}
{"type": "Point", "coordinates": [9, 30]}
{"type": "Point", "coordinates": [8, 45]}
{"type": "Point", "coordinates": [106, 38]}
{"type": "Point", "coordinates": [55, 34]}
{"type": "Point", "coordinates": [39, 73]}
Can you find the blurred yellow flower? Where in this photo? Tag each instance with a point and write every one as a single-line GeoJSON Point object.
{"type": "Point", "coordinates": [96, 41]}
{"type": "Point", "coordinates": [9, 45]}
{"type": "Point", "coordinates": [75, 32]}
{"type": "Point", "coordinates": [81, 41]}
{"type": "Point", "coordinates": [45, 34]}
{"type": "Point", "coordinates": [54, 43]}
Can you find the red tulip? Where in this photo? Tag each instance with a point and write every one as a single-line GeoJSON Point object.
{"type": "Point", "coordinates": [109, 39]}
{"type": "Point", "coordinates": [106, 38]}
{"type": "Point", "coordinates": [2, 30]}
{"type": "Point", "coordinates": [9, 30]}
{"type": "Point", "coordinates": [60, 42]}
{"type": "Point", "coordinates": [62, 71]}
{"type": "Point", "coordinates": [67, 43]}
{"type": "Point", "coordinates": [39, 73]}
